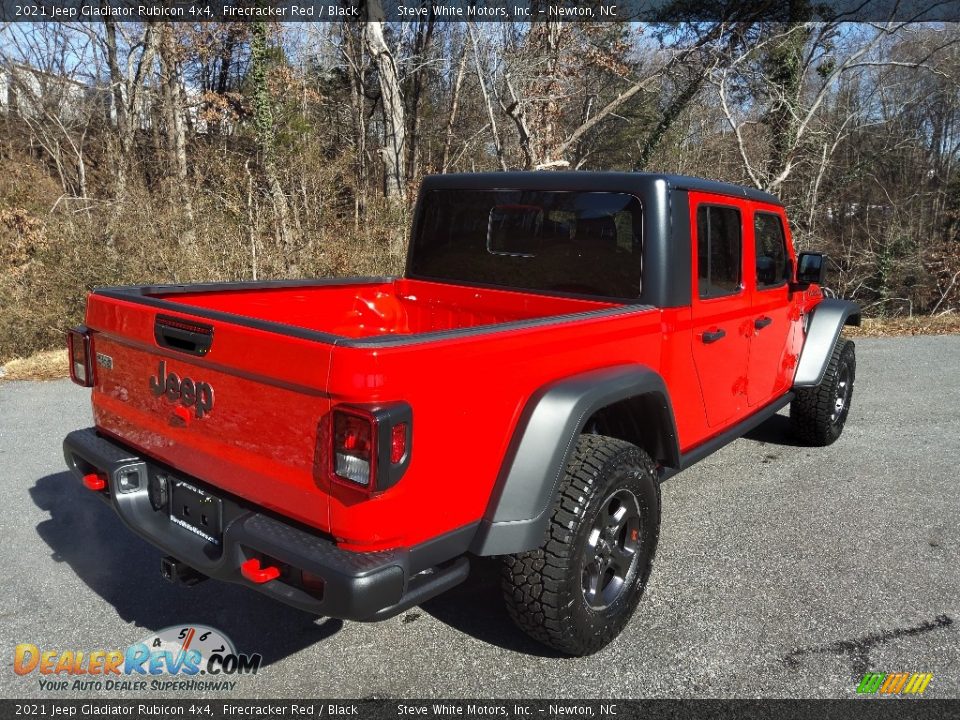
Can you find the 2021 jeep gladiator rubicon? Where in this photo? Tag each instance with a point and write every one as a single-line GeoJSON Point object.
{"type": "Point", "coordinates": [559, 344]}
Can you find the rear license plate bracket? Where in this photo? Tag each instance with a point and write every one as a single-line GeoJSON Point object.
{"type": "Point", "coordinates": [197, 511]}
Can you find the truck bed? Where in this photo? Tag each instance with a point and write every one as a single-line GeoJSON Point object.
{"type": "Point", "coordinates": [369, 308]}
{"type": "Point", "coordinates": [277, 356]}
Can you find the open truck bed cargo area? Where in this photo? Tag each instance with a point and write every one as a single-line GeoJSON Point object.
{"type": "Point", "coordinates": [364, 308]}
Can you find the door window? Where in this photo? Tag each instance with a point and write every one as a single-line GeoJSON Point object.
{"type": "Point", "coordinates": [718, 250]}
{"type": "Point", "coordinates": [772, 267]}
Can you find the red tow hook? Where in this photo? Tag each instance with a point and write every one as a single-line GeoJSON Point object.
{"type": "Point", "coordinates": [94, 481]}
{"type": "Point", "coordinates": [252, 571]}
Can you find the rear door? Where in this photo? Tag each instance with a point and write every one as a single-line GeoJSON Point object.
{"type": "Point", "coordinates": [776, 320]}
{"type": "Point", "coordinates": [720, 306]}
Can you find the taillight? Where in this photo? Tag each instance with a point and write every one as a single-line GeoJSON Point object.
{"type": "Point", "coordinates": [370, 446]}
{"type": "Point", "coordinates": [354, 458]}
{"type": "Point", "coordinates": [81, 360]}
{"type": "Point", "coordinates": [398, 442]}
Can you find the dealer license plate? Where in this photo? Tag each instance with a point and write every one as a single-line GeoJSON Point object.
{"type": "Point", "coordinates": [196, 510]}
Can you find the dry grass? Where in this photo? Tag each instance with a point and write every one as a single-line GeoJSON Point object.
{"type": "Point", "coordinates": [49, 365]}
{"type": "Point", "coordinates": [916, 325]}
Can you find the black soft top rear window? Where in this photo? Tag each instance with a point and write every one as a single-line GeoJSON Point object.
{"type": "Point", "coordinates": [572, 242]}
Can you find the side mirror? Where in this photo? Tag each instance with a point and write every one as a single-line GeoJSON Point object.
{"type": "Point", "coordinates": [811, 267]}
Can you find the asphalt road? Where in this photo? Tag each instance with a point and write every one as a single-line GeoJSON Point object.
{"type": "Point", "coordinates": [782, 571]}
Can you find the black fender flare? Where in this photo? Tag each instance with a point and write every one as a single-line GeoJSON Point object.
{"type": "Point", "coordinates": [546, 433]}
{"type": "Point", "coordinates": [826, 321]}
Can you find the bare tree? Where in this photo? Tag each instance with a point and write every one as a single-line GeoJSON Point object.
{"type": "Point", "coordinates": [419, 62]}
{"type": "Point", "coordinates": [454, 106]}
{"type": "Point", "coordinates": [45, 72]}
{"type": "Point", "coordinates": [173, 102]}
{"type": "Point", "coordinates": [351, 48]}
{"type": "Point", "coordinates": [556, 59]}
{"type": "Point", "coordinates": [128, 77]}
{"type": "Point", "coordinates": [391, 99]}
{"type": "Point", "coordinates": [803, 78]}
{"type": "Point", "coordinates": [266, 142]}
{"type": "Point", "coordinates": [497, 143]}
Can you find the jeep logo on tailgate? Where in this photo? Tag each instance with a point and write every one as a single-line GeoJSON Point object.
{"type": "Point", "coordinates": [190, 393]}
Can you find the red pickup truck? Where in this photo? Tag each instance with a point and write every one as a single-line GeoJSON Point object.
{"type": "Point", "coordinates": [559, 345]}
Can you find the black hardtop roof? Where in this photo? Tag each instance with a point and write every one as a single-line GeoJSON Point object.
{"type": "Point", "coordinates": [583, 180]}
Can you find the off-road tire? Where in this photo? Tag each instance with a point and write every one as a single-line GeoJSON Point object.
{"type": "Point", "coordinates": [545, 589]}
{"type": "Point", "coordinates": [816, 414]}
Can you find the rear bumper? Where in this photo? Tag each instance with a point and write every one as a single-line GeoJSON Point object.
{"type": "Point", "coordinates": [353, 586]}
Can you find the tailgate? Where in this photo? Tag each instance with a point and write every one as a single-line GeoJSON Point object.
{"type": "Point", "coordinates": [243, 415]}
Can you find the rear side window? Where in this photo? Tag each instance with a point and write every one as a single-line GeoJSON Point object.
{"type": "Point", "coordinates": [772, 267]}
{"type": "Point", "coordinates": [583, 243]}
{"type": "Point", "coordinates": [719, 247]}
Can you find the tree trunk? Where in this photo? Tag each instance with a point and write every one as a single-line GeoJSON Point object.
{"type": "Point", "coordinates": [421, 47]}
{"type": "Point", "coordinates": [454, 102]}
{"type": "Point", "coordinates": [175, 128]}
{"type": "Point", "coordinates": [263, 119]}
{"type": "Point", "coordinates": [498, 145]}
{"type": "Point", "coordinates": [392, 103]}
{"type": "Point", "coordinates": [518, 114]}
{"type": "Point", "coordinates": [669, 116]}
{"type": "Point", "coordinates": [353, 51]}
{"type": "Point", "coordinates": [784, 72]}
{"type": "Point", "coordinates": [126, 90]}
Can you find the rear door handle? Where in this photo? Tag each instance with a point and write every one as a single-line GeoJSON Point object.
{"type": "Point", "coordinates": [761, 322]}
{"type": "Point", "coordinates": [712, 337]}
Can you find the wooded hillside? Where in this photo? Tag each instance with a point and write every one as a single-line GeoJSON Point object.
{"type": "Point", "coordinates": [134, 153]}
